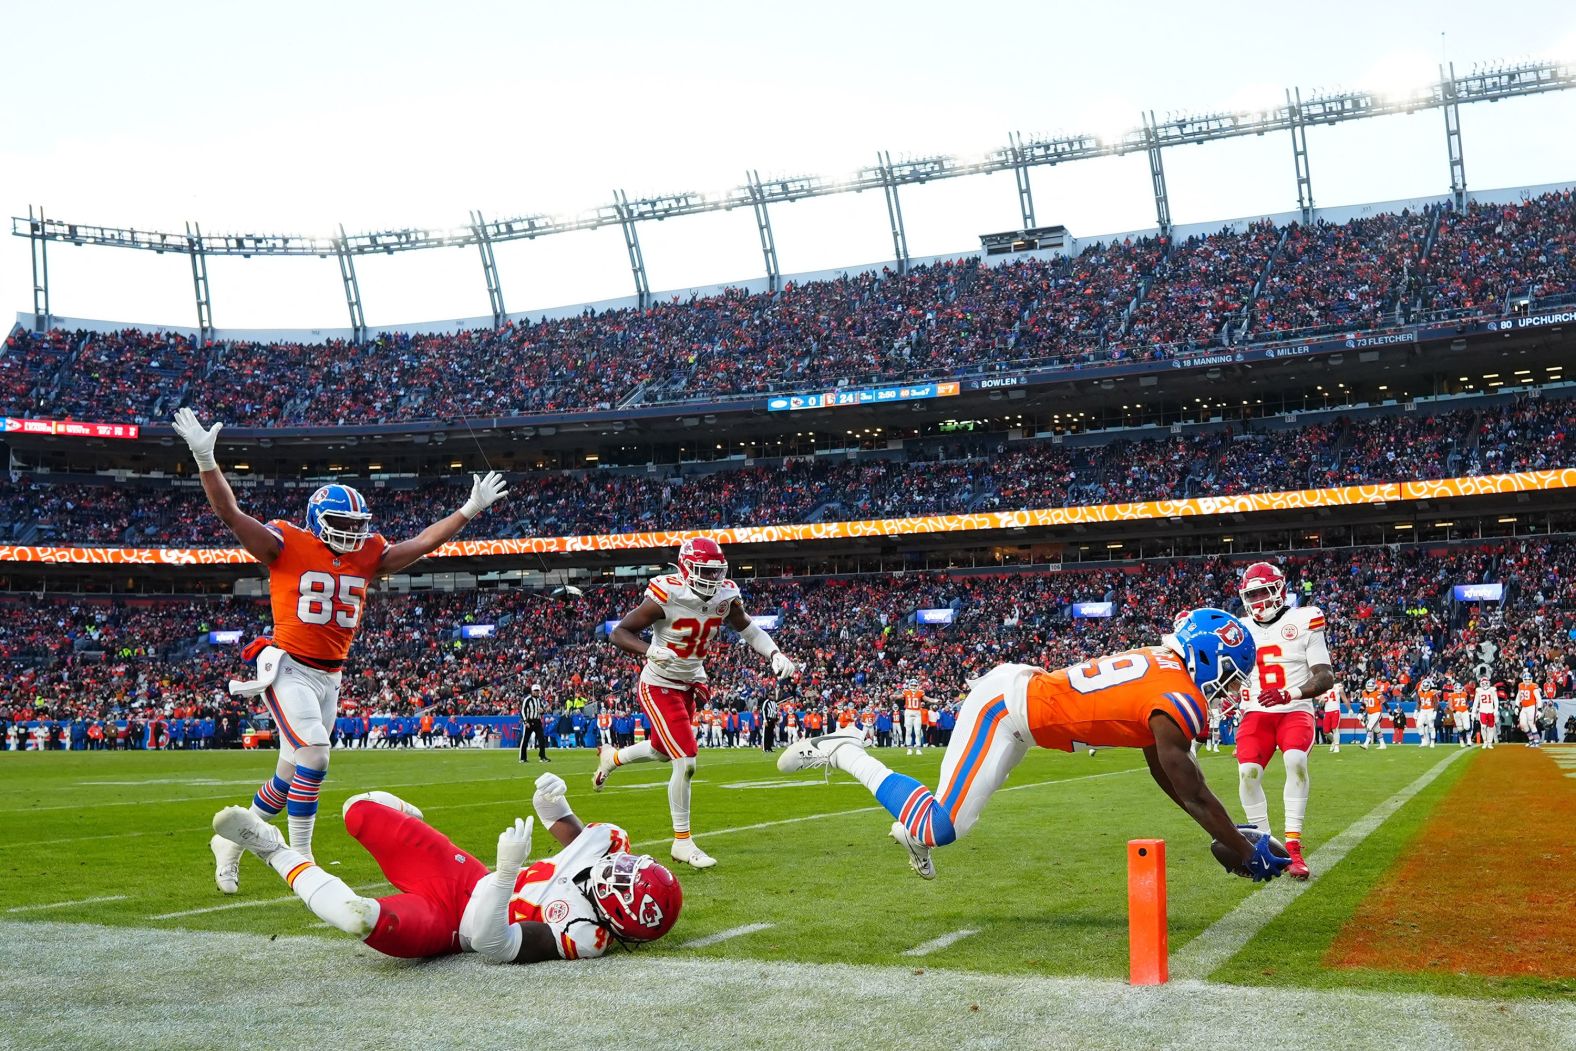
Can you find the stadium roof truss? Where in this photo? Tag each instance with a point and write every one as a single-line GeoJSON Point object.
{"type": "Point", "coordinates": [886, 175]}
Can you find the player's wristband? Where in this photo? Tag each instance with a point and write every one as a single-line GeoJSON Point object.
{"type": "Point", "coordinates": [1295, 693]}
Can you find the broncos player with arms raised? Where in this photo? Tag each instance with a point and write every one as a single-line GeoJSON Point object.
{"type": "Point", "coordinates": [684, 612]}
{"type": "Point", "coordinates": [318, 578]}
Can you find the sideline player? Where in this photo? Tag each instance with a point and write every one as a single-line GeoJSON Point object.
{"type": "Point", "coordinates": [1332, 702]}
{"type": "Point", "coordinates": [1486, 703]}
{"type": "Point", "coordinates": [318, 578]}
{"type": "Point", "coordinates": [1373, 710]}
{"type": "Point", "coordinates": [684, 611]}
{"type": "Point", "coordinates": [1528, 700]}
{"type": "Point", "coordinates": [1291, 668]}
{"type": "Point", "coordinates": [571, 906]}
{"type": "Point", "coordinates": [914, 705]}
{"type": "Point", "coordinates": [1153, 698]}
{"type": "Point", "coordinates": [1427, 708]}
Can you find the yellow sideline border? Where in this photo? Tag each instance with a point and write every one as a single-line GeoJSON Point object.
{"type": "Point", "coordinates": [1092, 514]}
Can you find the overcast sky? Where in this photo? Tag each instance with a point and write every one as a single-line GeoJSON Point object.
{"type": "Point", "coordinates": [295, 117]}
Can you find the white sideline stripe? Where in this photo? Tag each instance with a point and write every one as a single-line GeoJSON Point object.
{"type": "Point", "coordinates": [926, 948]}
{"type": "Point", "coordinates": [460, 1003]}
{"type": "Point", "coordinates": [1226, 937]}
{"type": "Point", "coordinates": [67, 904]}
{"type": "Point", "coordinates": [245, 904]}
{"type": "Point", "coordinates": [868, 809]}
{"type": "Point", "coordinates": [722, 936]}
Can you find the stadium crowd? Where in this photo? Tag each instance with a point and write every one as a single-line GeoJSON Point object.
{"type": "Point", "coordinates": [857, 640]}
{"type": "Point", "coordinates": [1146, 298]}
{"type": "Point", "coordinates": [981, 475]}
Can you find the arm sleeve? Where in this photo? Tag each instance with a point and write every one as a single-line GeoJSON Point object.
{"type": "Point", "coordinates": [495, 939]}
{"type": "Point", "coordinates": [759, 641]}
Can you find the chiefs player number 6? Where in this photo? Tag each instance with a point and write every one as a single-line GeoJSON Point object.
{"type": "Point", "coordinates": [317, 605]}
{"type": "Point", "coordinates": [1272, 675]}
{"type": "Point", "coordinates": [698, 635]}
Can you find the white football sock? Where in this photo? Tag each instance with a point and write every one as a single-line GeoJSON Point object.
{"type": "Point", "coordinates": [329, 898]}
{"type": "Point", "coordinates": [862, 766]}
{"type": "Point", "coordinates": [679, 792]}
{"type": "Point", "coordinates": [1250, 789]}
{"type": "Point", "coordinates": [1296, 794]}
{"type": "Point", "coordinates": [637, 753]}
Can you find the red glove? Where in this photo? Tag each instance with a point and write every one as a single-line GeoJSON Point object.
{"type": "Point", "coordinates": [1273, 698]}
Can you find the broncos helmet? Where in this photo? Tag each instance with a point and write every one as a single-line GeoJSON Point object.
{"type": "Point", "coordinates": [1219, 651]}
{"type": "Point", "coordinates": [337, 515]}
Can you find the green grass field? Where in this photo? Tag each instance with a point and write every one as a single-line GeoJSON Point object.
{"type": "Point", "coordinates": [1041, 883]}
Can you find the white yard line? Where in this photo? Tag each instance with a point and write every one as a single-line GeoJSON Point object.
{"type": "Point", "coordinates": [67, 904]}
{"type": "Point", "coordinates": [722, 936]}
{"type": "Point", "coordinates": [926, 948]}
{"type": "Point", "coordinates": [728, 1004]}
{"type": "Point", "coordinates": [258, 903]}
{"type": "Point", "coordinates": [1226, 937]}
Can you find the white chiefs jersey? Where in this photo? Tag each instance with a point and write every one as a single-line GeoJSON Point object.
{"type": "Point", "coordinates": [1486, 701]}
{"type": "Point", "coordinates": [546, 892]}
{"type": "Point", "coordinates": [1289, 647]}
{"type": "Point", "coordinates": [690, 626]}
{"type": "Point", "coordinates": [1331, 698]}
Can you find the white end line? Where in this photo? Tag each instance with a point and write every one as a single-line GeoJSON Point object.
{"type": "Point", "coordinates": [926, 948]}
{"type": "Point", "coordinates": [67, 904]}
{"type": "Point", "coordinates": [722, 936]}
{"type": "Point", "coordinates": [1224, 938]}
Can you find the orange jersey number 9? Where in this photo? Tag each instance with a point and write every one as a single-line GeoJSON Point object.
{"type": "Point", "coordinates": [1106, 672]}
{"type": "Point", "coordinates": [318, 604]}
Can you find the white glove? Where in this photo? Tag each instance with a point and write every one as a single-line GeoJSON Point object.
{"type": "Point", "coordinates": [514, 846]}
{"type": "Point", "coordinates": [486, 490]}
{"type": "Point", "coordinates": [200, 441]}
{"type": "Point", "coordinates": [657, 653]}
{"type": "Point", "coordinates": [549, 801]}
{"type": "Point", "coordinates": [782, 667]}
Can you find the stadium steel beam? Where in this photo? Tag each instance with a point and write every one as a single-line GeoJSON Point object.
{"type": "Point", "coordinates": [199, 260]}
{"type": "Point", "coordinates": [1458, 168]}
{"type": "Point", "coordinates": [347, 276]}
{"type": "Point", "coordinates": [894, 211]}
{"type": "Point", "coordinates": [1020, 172]}
{"type": "Point", "coordinates": [1157, 175]}
{"type": "Point", "coordinates": [489, 269]}
{"type": "Point", "coordinates": [40, 246]}
{"type": "Point", "coordinates": [637, 259]}
{"type": "Point", "coordinates": [1299, 152]}
{"type": "Point", "coordinates": [763, 224]}
{"type": "Point", "coordinates": [1486, 85]}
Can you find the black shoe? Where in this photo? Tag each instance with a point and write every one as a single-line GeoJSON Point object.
{"type": "Point", "coordinates": [546, 760]}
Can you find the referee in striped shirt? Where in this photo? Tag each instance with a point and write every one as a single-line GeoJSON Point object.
{"type": "Point", "coordinates": [532, 708]}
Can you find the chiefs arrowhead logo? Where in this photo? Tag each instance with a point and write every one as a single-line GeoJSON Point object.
{"type": "Point", "coordinates": [650, 913]}
{"type": "Point", "coordinates": [1231, 633]}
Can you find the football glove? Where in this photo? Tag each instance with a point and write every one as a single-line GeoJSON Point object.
{"type": "Point", "coordinates": [201, 442]}
{"type": "Point", "coordinates": [514, 845]}
{"type": "Point", "coordinates": [657, 653]}
{"type": "Point", "coordinates": [486, 490]}
{"type": "Point", "coordinates": [1274, 697]}
{"type": "Point", "coordinates": [782, 667]}
{"type": "Point", "coordinates": [1264, 865]}
{"type": "Point", "coordinates": [549, 801]}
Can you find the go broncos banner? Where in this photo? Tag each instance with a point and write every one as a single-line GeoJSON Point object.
{"type": "Point", "coordinates": [1093, 514]}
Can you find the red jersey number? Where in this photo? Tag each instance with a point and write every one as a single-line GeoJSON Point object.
{"type": "Point", "coordinates": [1272, 675]}
{"type": "Point", "coordinates": [697, 636]}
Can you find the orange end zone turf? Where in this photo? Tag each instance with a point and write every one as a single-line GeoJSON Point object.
{"type": "Point", "coordinates": [1485, 889]}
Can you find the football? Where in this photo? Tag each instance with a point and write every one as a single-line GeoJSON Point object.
{"type": "Point", "coordinates": [1228, 857]}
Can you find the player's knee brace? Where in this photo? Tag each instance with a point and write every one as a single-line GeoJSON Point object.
{"type": "Point", "coordinates": [1250, 773]}
{"type": "Point", "coordinates": [1296, 766]}
{"type": "Point", "coordinates": [686, 763]}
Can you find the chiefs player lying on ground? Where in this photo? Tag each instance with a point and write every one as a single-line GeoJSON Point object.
{"type": "Point", "coordinates": [571, 906]}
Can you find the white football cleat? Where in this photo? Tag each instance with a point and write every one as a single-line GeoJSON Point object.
{"type": "Point", "coordinates": [689, 852]}
{"type": "Point", "coordinates": [388, 799]}
{"type": "Point", "coordinates": [226, 865]}
{"type": "Point", "coordinates": [245, 829]}
{"type": "Point", "coordinates": [817, 751]}
{"type": "Point", "coordinates": [918, 853]}
{"type": "Point", "coordinates": [605, 762]}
